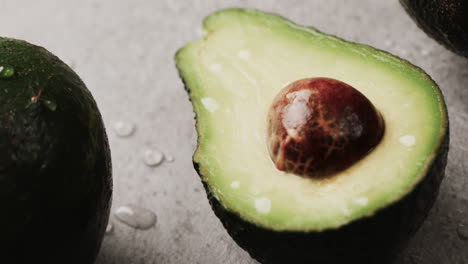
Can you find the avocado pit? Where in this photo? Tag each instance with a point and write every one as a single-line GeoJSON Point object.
{"type": "Point", "coordinates": [318, 127]}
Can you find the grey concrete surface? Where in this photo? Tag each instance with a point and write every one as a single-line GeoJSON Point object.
{"type": "Point", "coordinates": [123, 50]}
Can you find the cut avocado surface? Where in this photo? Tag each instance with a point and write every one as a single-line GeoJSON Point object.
{"type": "Point", "coordinates": [232, 75]}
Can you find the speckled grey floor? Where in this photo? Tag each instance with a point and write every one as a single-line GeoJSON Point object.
{"type": "Point", "coordinates": [123, 49]}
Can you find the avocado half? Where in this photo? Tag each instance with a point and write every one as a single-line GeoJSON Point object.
{"type": "Point", "coordinates": [444, 20]}
{"type": "Point", "coordinates": [364, 214]}
{"type": "Point", "coordinates": [55, 163]}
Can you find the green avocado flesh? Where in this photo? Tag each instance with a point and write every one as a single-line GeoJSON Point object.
{"type": "Point", "coordinates": [55, 169]}
{"type": "Point", "coordinates": [233, 74]}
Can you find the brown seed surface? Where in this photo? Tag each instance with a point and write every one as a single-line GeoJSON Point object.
{"type": "Point", "coordinates": [318, 127]}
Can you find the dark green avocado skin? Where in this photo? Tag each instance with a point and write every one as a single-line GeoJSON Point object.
{"type": "Point", "coordinates": [444, 20]}
{"type": "Point", "coordinates": [376, 239]}
{"type": "Point", "coordinates": [55, 166]}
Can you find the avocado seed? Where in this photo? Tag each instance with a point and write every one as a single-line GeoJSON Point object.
{"type": "Point", "coordinates": [319, 127]}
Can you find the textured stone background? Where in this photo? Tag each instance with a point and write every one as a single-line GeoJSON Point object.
{"type": "Point", "coordinates": [123, 50]}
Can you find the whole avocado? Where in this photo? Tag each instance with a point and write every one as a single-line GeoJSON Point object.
{"type": "Point", "coordinates": [55, 163]}
{"type": "Point", "coordinates": [444, 20]}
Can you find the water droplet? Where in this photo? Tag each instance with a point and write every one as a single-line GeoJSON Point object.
{"type": "Point", "coordinates": [346, 211]}
{"type": "Point", "coordinates": [388, 43]}
{"type": "Point", "coordinates": [135, 216]}
{"type": "Point", "coordinates": [215, 67]}
{"type": "Point", "coordinates": [462, 231]}
{"type": "Point", "coordinates": [263, 205]}
{"type": "Point", "coordinates": [235, 184]}
{"type": "Point", "coordinates": [363, 201]}
{"type": "Point", "coordinates": [169, 158]}
{"type": "Point", "coordinates": [153, 157]}
{"type": "Point", "coordinates": [124, 129]}
{"type": "Point", "coordinates": [109, 228]}
{"type": "Point", "coordinates": [50, 104]}
{"type": "Point", "coordinates": [6, 71]}
{"type": "Point", "coordinates": [408, 140]}
{"type": "Point", "coordinates": [210, 104]}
